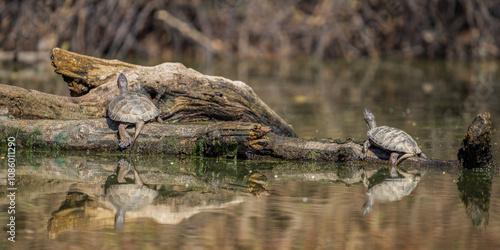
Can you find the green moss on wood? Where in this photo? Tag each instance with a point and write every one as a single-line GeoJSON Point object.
{"type": "Point", "coordinates": [225, 149]}
{"type": "Point", "coordinates": [32, 138]}
{"type": "Point", "coordinates": [345, 154]}
{"type": "Point", "coordinates": [59, 141]}
{"type": "Point", "coordinates": [5, 134]}
{"type": "Point", "coordinates": [199, 148]}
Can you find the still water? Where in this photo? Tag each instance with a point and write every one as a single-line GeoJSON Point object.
{"type": "Point", "coordinates": [67, 200]}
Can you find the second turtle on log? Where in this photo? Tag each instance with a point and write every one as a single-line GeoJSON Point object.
{"type": "Point", "coordinates": [395, 141]}
{"type": "Point", "coordinates": [129, 108]}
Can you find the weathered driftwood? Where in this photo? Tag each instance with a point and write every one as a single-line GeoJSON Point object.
{"type": "Point", "coordinates": [181, 94]}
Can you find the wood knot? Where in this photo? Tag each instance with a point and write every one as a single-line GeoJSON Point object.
{"type": "Point", "coordinates": [257, 139]}
{"type": "Point", "coordinates": [258, 131]}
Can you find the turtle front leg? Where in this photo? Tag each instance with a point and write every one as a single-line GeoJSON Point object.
{"type": "Point", "coordinates": [124, 136]}
{"type": "Point", "coordinates": [393, 159]}
{"type": "Point", "coordinates": [364, 151]}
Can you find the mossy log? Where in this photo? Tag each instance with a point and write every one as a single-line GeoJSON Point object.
{"type": "Point", "coordinates": [101, 135]}
{"type": "Point", "coordinates": [221, 139]}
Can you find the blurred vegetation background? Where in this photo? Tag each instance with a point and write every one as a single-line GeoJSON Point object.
{"type": "Point", "coordinates": [236, 29]}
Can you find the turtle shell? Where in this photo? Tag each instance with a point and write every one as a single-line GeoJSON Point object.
{"type": "Point", "coordinates": [132, 107]}
{"type": "Point", "coordinates": [393, 139]}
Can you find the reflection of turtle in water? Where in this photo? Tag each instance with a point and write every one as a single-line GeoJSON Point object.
{"type": "Point", "coordinates": [385, 189]}
{"type": "Point", "coordinates": [129, 108]}
{"type": "Point", "coordinates": [395, 141]}
{"type": "Point", "coordinates": [128, 197]}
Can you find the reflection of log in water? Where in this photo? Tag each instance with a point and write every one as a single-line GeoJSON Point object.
{"type": "Point", "coordinates": [89, 207]}
{"type": "Point", "coordinates": [83, 210]}
{"type": "Point", "coordinates": [474, 187]}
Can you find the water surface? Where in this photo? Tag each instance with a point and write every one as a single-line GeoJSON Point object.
{"type": "Point", "coordinates": [204, 203]}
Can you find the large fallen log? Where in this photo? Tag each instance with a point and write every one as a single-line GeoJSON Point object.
{"type": "Point", "coordinates": [180, 93]}
{"type": "Point", "coordinates": [223, 139]}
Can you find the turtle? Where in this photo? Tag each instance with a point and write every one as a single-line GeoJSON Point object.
{"type": "Point", "coordinates": [130, 108]}
{"type": "Point", "coordinates": [127, 196]}
{"type": "Point", "coordinates": [395, 141]}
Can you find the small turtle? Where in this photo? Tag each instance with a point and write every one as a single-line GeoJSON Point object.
{"type": "Point", "coordinates": [129, 108]}
{"type": "Point", "coordinates": [395, 141]}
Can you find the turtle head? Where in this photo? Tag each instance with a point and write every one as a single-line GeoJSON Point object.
{"type": "Point", "coordinates": [369, 119]}
{"type": "Point", "coordinates": [122, 83]}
